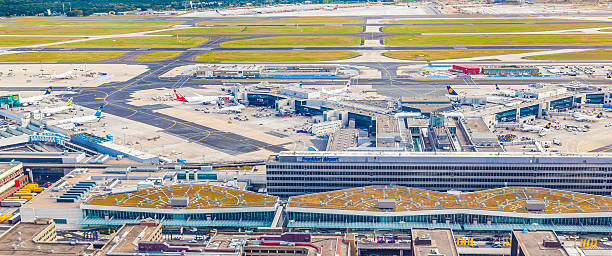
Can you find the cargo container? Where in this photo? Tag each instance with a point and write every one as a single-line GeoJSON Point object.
{"type": "Point", "coordinates": [4, 217]}
{"type": "Point", "coordinates": [12, 203]}
{"type": "Point", "coordinates": [24, 194]}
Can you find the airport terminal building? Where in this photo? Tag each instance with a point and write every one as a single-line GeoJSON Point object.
{"type": "Point", "coordinates": [187, 205]}
{"type": "Point", "coordinates": [299, 173]}
{"type": "Point", "coordinates": [501, 209]}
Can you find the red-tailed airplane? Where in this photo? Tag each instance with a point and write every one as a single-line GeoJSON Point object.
{"type": "Point", "coordinates": [200, 99]}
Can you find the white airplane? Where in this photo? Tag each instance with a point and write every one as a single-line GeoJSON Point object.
{"type": "Point", "coordinates": [454, 96]}
{"type": "Point", "coordinates": [35, 99]}
{"type": "Point", "coordinates": [66, 75]}
{"type": "Point", "coordinates": [329, 8]}
{"type": "Point", "coordinates": [507, 93]}
{"type": "Point", "coordinates": [534, 128]}
{"type": "Point", "coordinates": [338, 91]}
{"type": "Point", "coordinates": [79, 120]}
{"type": "Point", "coordinates": [232, 109]}
{"type": "Point", "coordinates": [50, 111]}
{"type": "Point", "coordinates": [199, 99]}
{"type": "Point", "coordinates": [580, 117]}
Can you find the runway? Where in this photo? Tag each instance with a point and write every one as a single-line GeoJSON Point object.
{"type": "Point", "coordinates": [323, 48]}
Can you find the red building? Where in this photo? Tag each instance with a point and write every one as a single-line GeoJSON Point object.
{"type": "Point", "coordinates": [468, 69]}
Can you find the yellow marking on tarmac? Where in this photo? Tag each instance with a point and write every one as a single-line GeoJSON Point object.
{"type": "Point", "coordinates": [168, 119]}
{"type": "Point", "coordinates": [189, 125]}
{"type": "Point", "coordinates": [132, 114]}
{"type": "Point", "coordinates": [201, 139]}
{"type": "Point", "coordinates": [99, 98]}
{"type": "Point", "coordinates": [169, 127]}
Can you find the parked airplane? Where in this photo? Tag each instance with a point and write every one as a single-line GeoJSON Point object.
{"type": "Point", "coordinates": [199, 99]}
{"type": "Point", "coordinates": [65, 75]}
{"type": "Point", "coordinates": [50, 111]}
{"type": "Point", "coordinates": [79, 120]}
{"type": "Point", "coordinates": [454, 96]}
{"type": "Point", "coordinates": [534, 128]}
{"type": "Point", "coordinates": [507, 93]}
{"type": "Point", "coordinates": [232, 109]}
{"type": "Point", "coordinates": [35, 99]}
{"type": "Point", "coordinates": [338, 91]}
{"type": "Point", "coordinates": [580, 117]}
{"type": "Point", "coordinates": [329, 8]}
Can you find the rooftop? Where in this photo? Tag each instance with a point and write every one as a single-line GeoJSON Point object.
{"type": "Point", "coordinates": [514, 158]}
{"type": "Point", "coordinates": [342, 139]}
{"type": "Point", "coordinates": [425, 241]}
{"type": "Point", "coordinates": [199, 197]}
{"type": "Point", "coordinates": [27, 246]}
{"type": "Point", "coordinates": [543, 242]}
{"type": "Point", "coordinates": [511, 199]}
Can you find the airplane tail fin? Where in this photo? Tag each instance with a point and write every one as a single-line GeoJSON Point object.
{"type": "Point", "coordinates": [69, 103]}
{"type": "Point", "coordinates": [179, 97]}
{"type": "Point", "coordinates": [600, 115]}
{"type": "Point", "coordinates": [48, 91]}
{"type": "Point", "coordinates": [99, 112]}
{"type": "Point", "coordinates": [451, 91]}
{"type": "Point", "coordinates": [348, 84]}
{"type": "Point", "coordinates": [547, 126]}
{"type": "Point", "coordinates": [497, 87]}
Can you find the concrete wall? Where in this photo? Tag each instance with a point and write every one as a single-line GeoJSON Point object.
{"type": "Point", "coordinates": [72, 215]}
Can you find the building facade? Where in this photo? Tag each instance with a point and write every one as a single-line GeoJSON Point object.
{"type": "Point", "coordinates": [502, 209]}
{"type": "Point", "coordinates": [298, 173]}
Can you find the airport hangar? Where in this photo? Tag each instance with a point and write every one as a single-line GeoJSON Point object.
{"type": "Point", "coordinates": [501, 209]}
{"type": "Point", "coordinates": [296, 173]}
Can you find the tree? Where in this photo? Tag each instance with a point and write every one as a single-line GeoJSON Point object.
{"type": "Point", "coordinates": [74, 13]}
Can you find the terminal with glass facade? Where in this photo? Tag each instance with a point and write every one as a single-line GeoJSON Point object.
{"type": "Point", "coordinates": [501, 209]}
{"type": "Point", "coordinates": [187, 205]}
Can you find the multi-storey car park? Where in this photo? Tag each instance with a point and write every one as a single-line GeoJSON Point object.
{"type": "Point", "coordinates": [502, 209]}
{"type": "Point", "coordinates": [183, 205]}
{"type": "Point", "coordinates": [298, 173]}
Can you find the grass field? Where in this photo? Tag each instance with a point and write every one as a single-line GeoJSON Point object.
{"type": "Point", "coordinates": [71, 30]}
{"type": "Point", "coordinates": [60, 56]}
{"type": "Point", "coordinates": [27, 41]}
{"type": "Point", "coordinates": [487, 28]}
{"type": "Point", "coordinates": [410, 21]}
{"type": "Point", "coordinates": [281, 21]}
{"type": "Point", "coordinates": [85, 22]}
{"type": "Point", "coordinates": [157, 56]}
{"type": "Point", "coordinates": [295, 41]}
{"type": "Point", "coordinates": [265, 30]}
{"type": "Point", "coordinates": [272, 56]}
{"type": "Point", "coordinates": [450, 54]}
{"type": "Point", "coordinates": [169, 41]}
{"type": "Point", "coordinates": [585, 55]}
{"type": "Point", "coordinates": [462, 40]}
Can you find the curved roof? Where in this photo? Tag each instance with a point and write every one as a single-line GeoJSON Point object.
{"type": "Point", "coordinates": [200, 197]}
{"type": "Point", "coordinates": [413, 199]}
